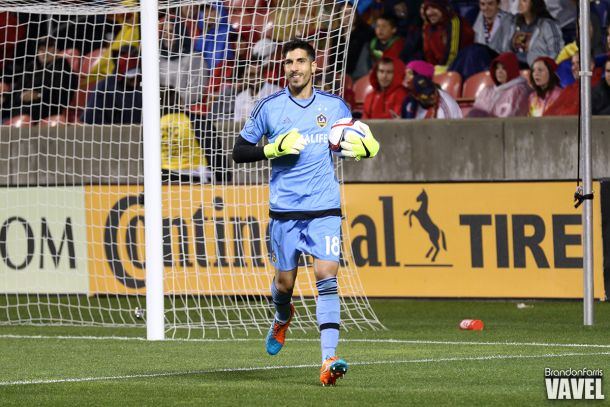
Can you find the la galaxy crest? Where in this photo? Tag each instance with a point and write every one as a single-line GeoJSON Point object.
{"type": "Point", "coordinates": [321, 120]}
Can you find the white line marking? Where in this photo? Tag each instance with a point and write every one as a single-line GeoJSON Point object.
{"type": "Point", "coordinates": [344, 340]}
{"type": "Point", "coordinates": [263, 368]}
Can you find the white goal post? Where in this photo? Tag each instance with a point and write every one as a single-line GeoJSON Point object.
{"type": "Point", "coordinates": [119, 204]}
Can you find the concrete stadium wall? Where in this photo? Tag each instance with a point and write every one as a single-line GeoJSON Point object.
{"type": "Point", "coordinates": [443, 150]}
{"type": "Point", "coordinates": [481, 149]}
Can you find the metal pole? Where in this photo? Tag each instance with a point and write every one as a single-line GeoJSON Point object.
{"type": "Point", "coordinates": [585, 131]}
{"type": "Point", "coordinates": [149, 17]}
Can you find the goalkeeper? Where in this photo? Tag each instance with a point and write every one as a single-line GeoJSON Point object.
{"type": "Point", "coordinates": [305, 207]}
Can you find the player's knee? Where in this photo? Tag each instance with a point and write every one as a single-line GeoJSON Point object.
{"type": "Point", "coordinates": [325, 269]}
{"type": "Point", "coordinates": [284, 283]}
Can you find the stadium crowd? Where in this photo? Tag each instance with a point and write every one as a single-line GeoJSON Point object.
{"type": "Point", "coordinates": [406, 59]}
{"type": "Point", "coordinates": [409, 59]}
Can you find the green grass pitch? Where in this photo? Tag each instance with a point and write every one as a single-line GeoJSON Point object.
{"type": "Point", "coordinates": [422, 359]}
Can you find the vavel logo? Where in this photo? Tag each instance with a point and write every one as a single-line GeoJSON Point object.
{"type": "Point", "coordinates": [571, 384]}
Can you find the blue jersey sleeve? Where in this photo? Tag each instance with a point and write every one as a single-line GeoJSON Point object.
{"type": "Point", "coordinates": [255, 128]}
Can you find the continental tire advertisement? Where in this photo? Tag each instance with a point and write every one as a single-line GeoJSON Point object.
{"type": "Point", "coordinates": [485, 240]}
{"type": "Point", "coordinates": [471, 240]}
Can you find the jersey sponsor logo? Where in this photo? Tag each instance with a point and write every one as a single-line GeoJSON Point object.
{"type": "Point", "coordinates": [321, 120]}
{"type": "Point", "coordinates": [318, 138]}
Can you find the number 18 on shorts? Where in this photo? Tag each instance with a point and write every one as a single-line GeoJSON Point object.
{"type": "Point", "coordinates": [319, 237]}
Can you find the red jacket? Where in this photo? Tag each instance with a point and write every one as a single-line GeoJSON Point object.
{"type": "Point", "coordinates": [443, 41]}
{"type": "Point", "coordinates": [379, 103]}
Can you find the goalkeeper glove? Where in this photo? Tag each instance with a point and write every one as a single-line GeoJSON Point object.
{"type": "Point", "coordinates": [287, 143]}
{"type": "Point", "coordinates": [360, 147]}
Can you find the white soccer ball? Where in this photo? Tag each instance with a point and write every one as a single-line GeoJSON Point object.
{"type": "Point", "coordinates": [340, 129]}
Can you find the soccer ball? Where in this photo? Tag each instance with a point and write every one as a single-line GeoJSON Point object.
{"type": "Point", "coordinates": [340, 129]}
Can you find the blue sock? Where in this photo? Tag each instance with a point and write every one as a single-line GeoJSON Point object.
{"type": "Point", "coordinates": [281, 301]}
{"type": "Point", "coordinates": [328, 314]}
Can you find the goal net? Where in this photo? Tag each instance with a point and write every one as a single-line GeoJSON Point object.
{"type": "Point", "coordinates": [71, 162]}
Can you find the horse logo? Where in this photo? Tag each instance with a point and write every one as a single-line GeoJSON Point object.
{"type": "Point", "coordinates": [434, 233]}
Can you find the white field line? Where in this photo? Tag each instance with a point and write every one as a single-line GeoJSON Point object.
{"type": "Point", "coordinates": [292, 339]}
{"type": "Point", "coordinates": [263, 368]}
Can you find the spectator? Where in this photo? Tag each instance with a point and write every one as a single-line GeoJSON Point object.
{"type": "Point", "coordinates": [11, 32]}
{"type": "Point", "coordinates": [385, 100]}
{"type": "Point", "coordinates": [386, 43]}
{"type": "Point", "coordinates": [565, 13]}
{"type": "Point", "coordinates": [444, 34]}
{"type": "Point", "coordinates": [182, 158]}
{"type": "Point", "coordinates": [227, 79]}
{"type": "Point", "coordinates": [568, 103]}
{"type": "Point", "coordinates": [600, 96]}
{"type": "Point", "coordinates": [85, 33]}
{"type": "Point", "coordinates": [118, 98]}
{"type": "Point", "coordinates": [491, 26]}
{"type": "Point", "coordinates": [406, 13]}
{"type": "Point", "coordinates": [179, 68]}
{"type": "Point", "coordinates": [545, 82]}
{"type": "Point", "coordinates": [413, 69]}
{"type": "Point", "coordinates": [534, 34]}
{"type": "Point", "coordinates": [254, 88]}
{"type": "Point", "coordinates": [417, 68]}
{"type": "Point", "coordinates": [564, 59]}
{"type": "Point", "coordinates": [214, 41]}
{"type": "Point", "coordinates": [44, 88]}
{"type": "Point", "coordinates": [509, 96]}
{"type": "Point", "coordinates": [409, 26]}
{"type": "Point", "coordinates": [510, 6]}
{"type": "Point", "coordinates": [127, 36]}
{"type": "Point", "coordinates": [430, 102]}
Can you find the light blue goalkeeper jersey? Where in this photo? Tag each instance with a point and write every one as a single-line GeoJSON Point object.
{"type": "Point", "coordinates": [305, 182]}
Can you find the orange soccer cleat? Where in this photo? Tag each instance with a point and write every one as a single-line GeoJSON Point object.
{"type": "Point", "coordinates": [277, 334]}
{"type": "Point", "coordinates": [332, 369]}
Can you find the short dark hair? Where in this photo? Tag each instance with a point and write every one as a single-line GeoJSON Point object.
{"type": "Point", "coordinates": [389, 18]}
{"type": "Point", "coordinates": [385, 61]}
{"type": "Point", "coordinates": [299, 44]}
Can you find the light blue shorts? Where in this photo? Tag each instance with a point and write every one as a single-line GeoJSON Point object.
{"type": "Point", "coordinates": [319, 237]}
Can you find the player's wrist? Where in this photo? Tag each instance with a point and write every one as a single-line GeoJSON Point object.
{"type": "Point", "coordinates": [269, 151]}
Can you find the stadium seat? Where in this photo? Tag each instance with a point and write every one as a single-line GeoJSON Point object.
{"type": "Point", "coordinates": [18, 121]}
{"type": "Point", "coordinates": [362, 87]}
{"type": "Point", "coordinates": [475, 84]}
{"type": "Point", "coordinates": [73, 57]}
{"type": "Point", "coordinates": [450, 82]}
{"type": "Point", "coordinates": [53, 121]}
{"type": "Point", "coordinates": [255, 25]}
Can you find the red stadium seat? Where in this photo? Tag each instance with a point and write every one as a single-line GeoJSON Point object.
{"type": "Point", "coordinates": [253, 25]}
{"type": "Point", "coordinates": [450, 82]}
{"type": "Point", "coordinates": [475, 84]}
{"type": "Point", "coordinates": [73, 57]}
{"type": "Point", "coordinates": [362, 87]}
{"type": "Point", "coordinates": [18, 121]}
